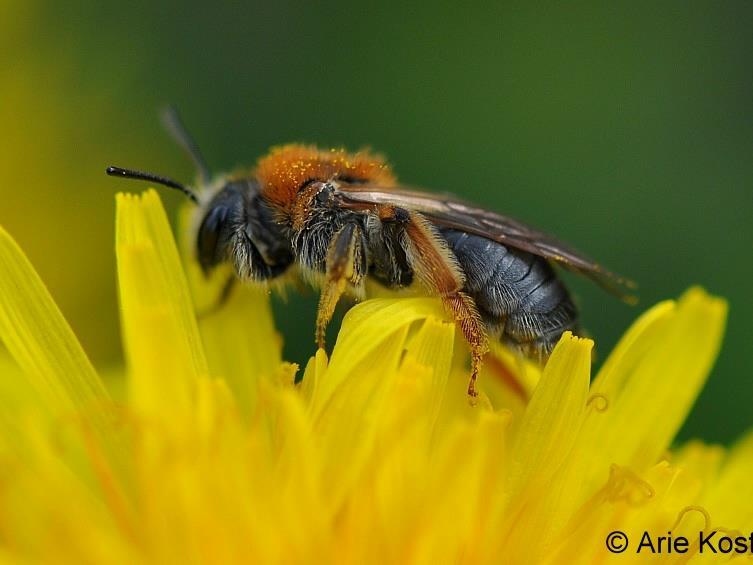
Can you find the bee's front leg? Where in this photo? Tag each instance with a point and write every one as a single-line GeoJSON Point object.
{"type": "Point", "coordinates": [220, 301]}
{"type": "Point", "coordinates": [345, 265]}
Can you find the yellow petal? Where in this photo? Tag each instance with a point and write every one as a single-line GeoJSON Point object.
{"type": "Point", "coordinates": [554, 414]}
{"type": "Point", "coordinates": [162, 343]}
{"type": "Point", "coordinates": [524, 373]}
{"type": "Point", "coordinates": [364, 329]}
{"type": "Point", "coordinates": [348, 424]}
{"type": "Point", "coordinates": [656, 379]}
{"type": "Point", "coordinates": [728, 500]}
{"type": "Point", "coordinates": [432, 347]}
{"type": "Point", "coordinates": [408, 416]}
{"type": "Point", "coordinates": [40, 340]}
{"type": "Point", "coordinates": [700, 460]}
{"type": "Point", "coordinates": [239, 336]}
{"type": "Point", "coordinates": [639, 338]}
{"type": "Point", "coordinates": [242, 344]}
{"type": "Point", "coordinates": [539, 483]}
{"type": "Point", "coordinates": [315, 369]}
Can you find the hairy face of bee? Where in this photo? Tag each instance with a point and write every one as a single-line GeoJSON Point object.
{"type": "Point", "coordinates": [237, 227]}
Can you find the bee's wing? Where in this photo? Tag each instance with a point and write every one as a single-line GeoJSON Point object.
{"type": "Point", "coordinates": [450, 212]}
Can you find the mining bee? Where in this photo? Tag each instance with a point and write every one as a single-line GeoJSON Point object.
{"type": "Point", "coordinates": [342, 217]}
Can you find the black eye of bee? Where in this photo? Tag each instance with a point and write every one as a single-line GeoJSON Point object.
{"type": "Point", "coordinates": [209, 236]}
{"type": "Point", "coordinates": [323, 196]}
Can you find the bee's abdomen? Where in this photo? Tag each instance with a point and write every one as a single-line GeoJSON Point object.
{"type": "Point", "coordinates": [517, 293]}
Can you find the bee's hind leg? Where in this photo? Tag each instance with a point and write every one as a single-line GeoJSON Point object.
{"type": "Point", "coordinates": [436, 268]}
{"type": "Point", "coordinates": [463, 309]}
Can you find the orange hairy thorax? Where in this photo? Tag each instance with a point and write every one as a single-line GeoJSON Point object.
{"type": "Point", "coordinates": [285, 169]}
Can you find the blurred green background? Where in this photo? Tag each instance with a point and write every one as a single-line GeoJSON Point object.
{"type": "Point", "coordinates": [626, 129]}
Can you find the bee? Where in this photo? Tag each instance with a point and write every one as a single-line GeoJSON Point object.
{"type": "Point", "coordinates": [342, 217]}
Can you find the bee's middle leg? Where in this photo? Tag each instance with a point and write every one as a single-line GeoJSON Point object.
{"type": "Point", "coordinates": [345, 265]}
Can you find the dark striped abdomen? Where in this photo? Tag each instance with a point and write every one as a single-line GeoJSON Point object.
{"type": "Point", "coordinates": [518, 294]}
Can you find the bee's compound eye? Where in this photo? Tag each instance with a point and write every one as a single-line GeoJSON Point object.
{"type": "Point", "coordinates": [322, 197]}
{"type": "Point", "coordinates": [209, 237]}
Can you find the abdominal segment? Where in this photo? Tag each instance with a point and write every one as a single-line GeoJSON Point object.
{"type": "Point", "coordinates": [518, 294]}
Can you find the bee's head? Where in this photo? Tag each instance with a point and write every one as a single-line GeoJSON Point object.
{"type": "Point", "coordinates": [234, 225]}
{"type": "Point", "coordinates": [219, 222]}
{"type": "Point", "coordinates": [237, 226]}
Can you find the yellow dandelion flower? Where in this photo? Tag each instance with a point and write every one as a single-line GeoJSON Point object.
{"type": "Point", "coordinates": [214, 455]}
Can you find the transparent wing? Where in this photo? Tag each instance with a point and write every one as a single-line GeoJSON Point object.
{"type": "Point", "coordinates": [450, 212]}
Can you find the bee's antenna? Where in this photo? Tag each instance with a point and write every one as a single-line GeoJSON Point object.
{"type": "Point", "coordinates": [151, 177]}
{"type": "Point", "coordinates": [177, 130]}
